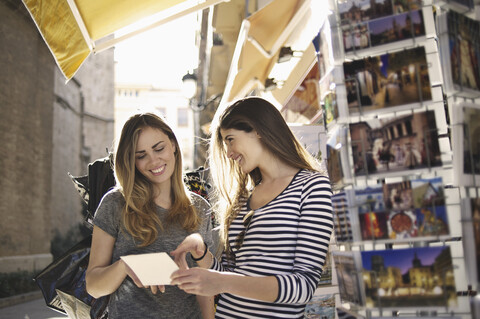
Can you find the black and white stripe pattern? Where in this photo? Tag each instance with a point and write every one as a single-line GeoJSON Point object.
{"type": "Point", "coordinates": [287, 238]}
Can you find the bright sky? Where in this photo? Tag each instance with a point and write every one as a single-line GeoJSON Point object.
{"type": "Point", "coordinates": [160, 56]}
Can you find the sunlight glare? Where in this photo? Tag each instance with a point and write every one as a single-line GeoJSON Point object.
{"type": "Point", "coordinates": [159, 57]}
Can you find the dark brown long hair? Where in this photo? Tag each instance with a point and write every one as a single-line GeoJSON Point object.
{"type": "Point", "coordinates": [259, 115]}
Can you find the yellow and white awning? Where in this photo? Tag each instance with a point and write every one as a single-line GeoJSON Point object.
{"type": "Point", "coordinates": [73, 29]}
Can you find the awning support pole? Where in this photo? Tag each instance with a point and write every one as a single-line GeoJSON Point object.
{"type": "Point", "coordinates": [81, 24]}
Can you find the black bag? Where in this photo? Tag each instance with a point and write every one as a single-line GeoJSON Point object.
{"type": "Point", "coordinates": [63, 281]}
{"type": "Point", "coordinates": [63, 284]}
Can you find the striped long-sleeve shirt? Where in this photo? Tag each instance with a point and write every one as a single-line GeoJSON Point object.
{"type": "Point", "coordinates": [287, 238]}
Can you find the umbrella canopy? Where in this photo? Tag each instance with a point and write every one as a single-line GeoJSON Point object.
{"type": "Point", "coordinates": [73, 29]}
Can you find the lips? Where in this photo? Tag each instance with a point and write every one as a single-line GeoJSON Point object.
{"type": "Point", "coordinates": [158, 170]}
{"type": "Point", "coordinates": [238, 158]}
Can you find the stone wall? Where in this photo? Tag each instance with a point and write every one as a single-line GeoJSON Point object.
{"type": "Point", "coordinates": [48, 128]}
{"type": "Point", "coordinates": [83, 130]}
{"type": "Point", "coordinates": [96, 77]}
{"type": "Point", "coordinates": [67, 149]}
{"type": "Point", "coordinates": [26, 99]}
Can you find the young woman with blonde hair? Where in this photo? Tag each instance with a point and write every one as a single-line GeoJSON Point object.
{"type": "Point", "coordinates": [149, 211]}
{"type": "Point", "coordinates": [277, 219]}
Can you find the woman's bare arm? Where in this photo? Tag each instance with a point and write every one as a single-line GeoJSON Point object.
{"type": "Point", "coordinates": [102, 277]}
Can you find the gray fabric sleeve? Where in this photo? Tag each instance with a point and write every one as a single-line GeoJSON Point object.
{"type": "Point", "coordinates": [107, 216]}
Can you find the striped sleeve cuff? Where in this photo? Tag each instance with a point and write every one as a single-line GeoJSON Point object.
{"type": "Point", "coordinates": [292, 290]}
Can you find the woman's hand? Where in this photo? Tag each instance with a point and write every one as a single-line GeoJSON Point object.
{"type": "Point", "coordinates": [102, 277]}
{"type": "Point", "coordinates": [193, 244]}
{"type": "Point", "coordinates": [137, 281]}
{"type": "Point", "coordinates": [198, 281]}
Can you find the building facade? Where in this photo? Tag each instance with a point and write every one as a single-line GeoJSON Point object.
{"type": "Point", "coordinates": [166, 102]}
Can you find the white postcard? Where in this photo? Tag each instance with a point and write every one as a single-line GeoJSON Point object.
{"type": "Point", "coordinates": [153, 268]}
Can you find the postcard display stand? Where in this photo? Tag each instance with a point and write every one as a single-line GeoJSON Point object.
{"type": "Point", "coordinates": [400, 95]}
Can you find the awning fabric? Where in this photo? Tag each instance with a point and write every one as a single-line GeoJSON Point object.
{"type": "Point", "coordinates": [301, 69]}
{"type": "Point", "coordinates": [261, 37]}
{"type": "Point", "coordinates": [71, 27]}
{"type": "Point", "coordinates": [321, 45]}
{"type": "Point", "coordinates": [257, 46]}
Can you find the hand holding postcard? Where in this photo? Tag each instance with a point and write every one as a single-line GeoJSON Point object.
{"type": "Point", "coordinates": [151, 269]}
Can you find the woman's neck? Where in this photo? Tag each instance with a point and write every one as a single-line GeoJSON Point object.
{"type": "Point", "coordinates": [163, 197]}
{"type": "Point", "coordinates": [276, 170]}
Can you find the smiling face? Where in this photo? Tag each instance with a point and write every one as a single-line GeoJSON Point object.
{"type": "Point", "coordinates": [155, 157]}
{"type": "Point", "coordinates": [244, 148]}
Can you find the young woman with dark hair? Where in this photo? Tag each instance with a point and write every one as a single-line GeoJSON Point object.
{"type": "Point", "coordinates": [277, 218]}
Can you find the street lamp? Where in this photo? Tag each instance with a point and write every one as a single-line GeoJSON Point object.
{"type": "Point", "coordinates": [189, 87]}
{"type": "Point", "coordinates": [189, 90]}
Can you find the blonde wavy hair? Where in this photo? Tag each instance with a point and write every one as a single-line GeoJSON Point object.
{"type": "Point", "coordinates": [232, 185]}
{"type": "Point", "coordinates": [139, 215]}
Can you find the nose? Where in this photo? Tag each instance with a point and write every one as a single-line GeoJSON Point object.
{"type": "Point", "coordinates": [153, 160]}
{"type": "Point", "coordinates": [229, 152]}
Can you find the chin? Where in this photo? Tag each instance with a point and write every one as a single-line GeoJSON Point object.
{"type": "Point", "coordinates": [162, 178]}
{"type": "Point", "coordinates": [246, 170]}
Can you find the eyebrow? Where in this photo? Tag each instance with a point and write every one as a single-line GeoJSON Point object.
{"type": "Point", "coordinates": [154, 146]}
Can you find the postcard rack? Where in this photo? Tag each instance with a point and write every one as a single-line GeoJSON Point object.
{"type": "Point", "coordinates": [400, 96]}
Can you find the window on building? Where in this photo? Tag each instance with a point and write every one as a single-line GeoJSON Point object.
{"type": "Point", "coordinates": [182, 117]}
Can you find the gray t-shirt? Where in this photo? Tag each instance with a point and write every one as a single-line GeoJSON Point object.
{"type": "Point", "coordinates": [129, 301]}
